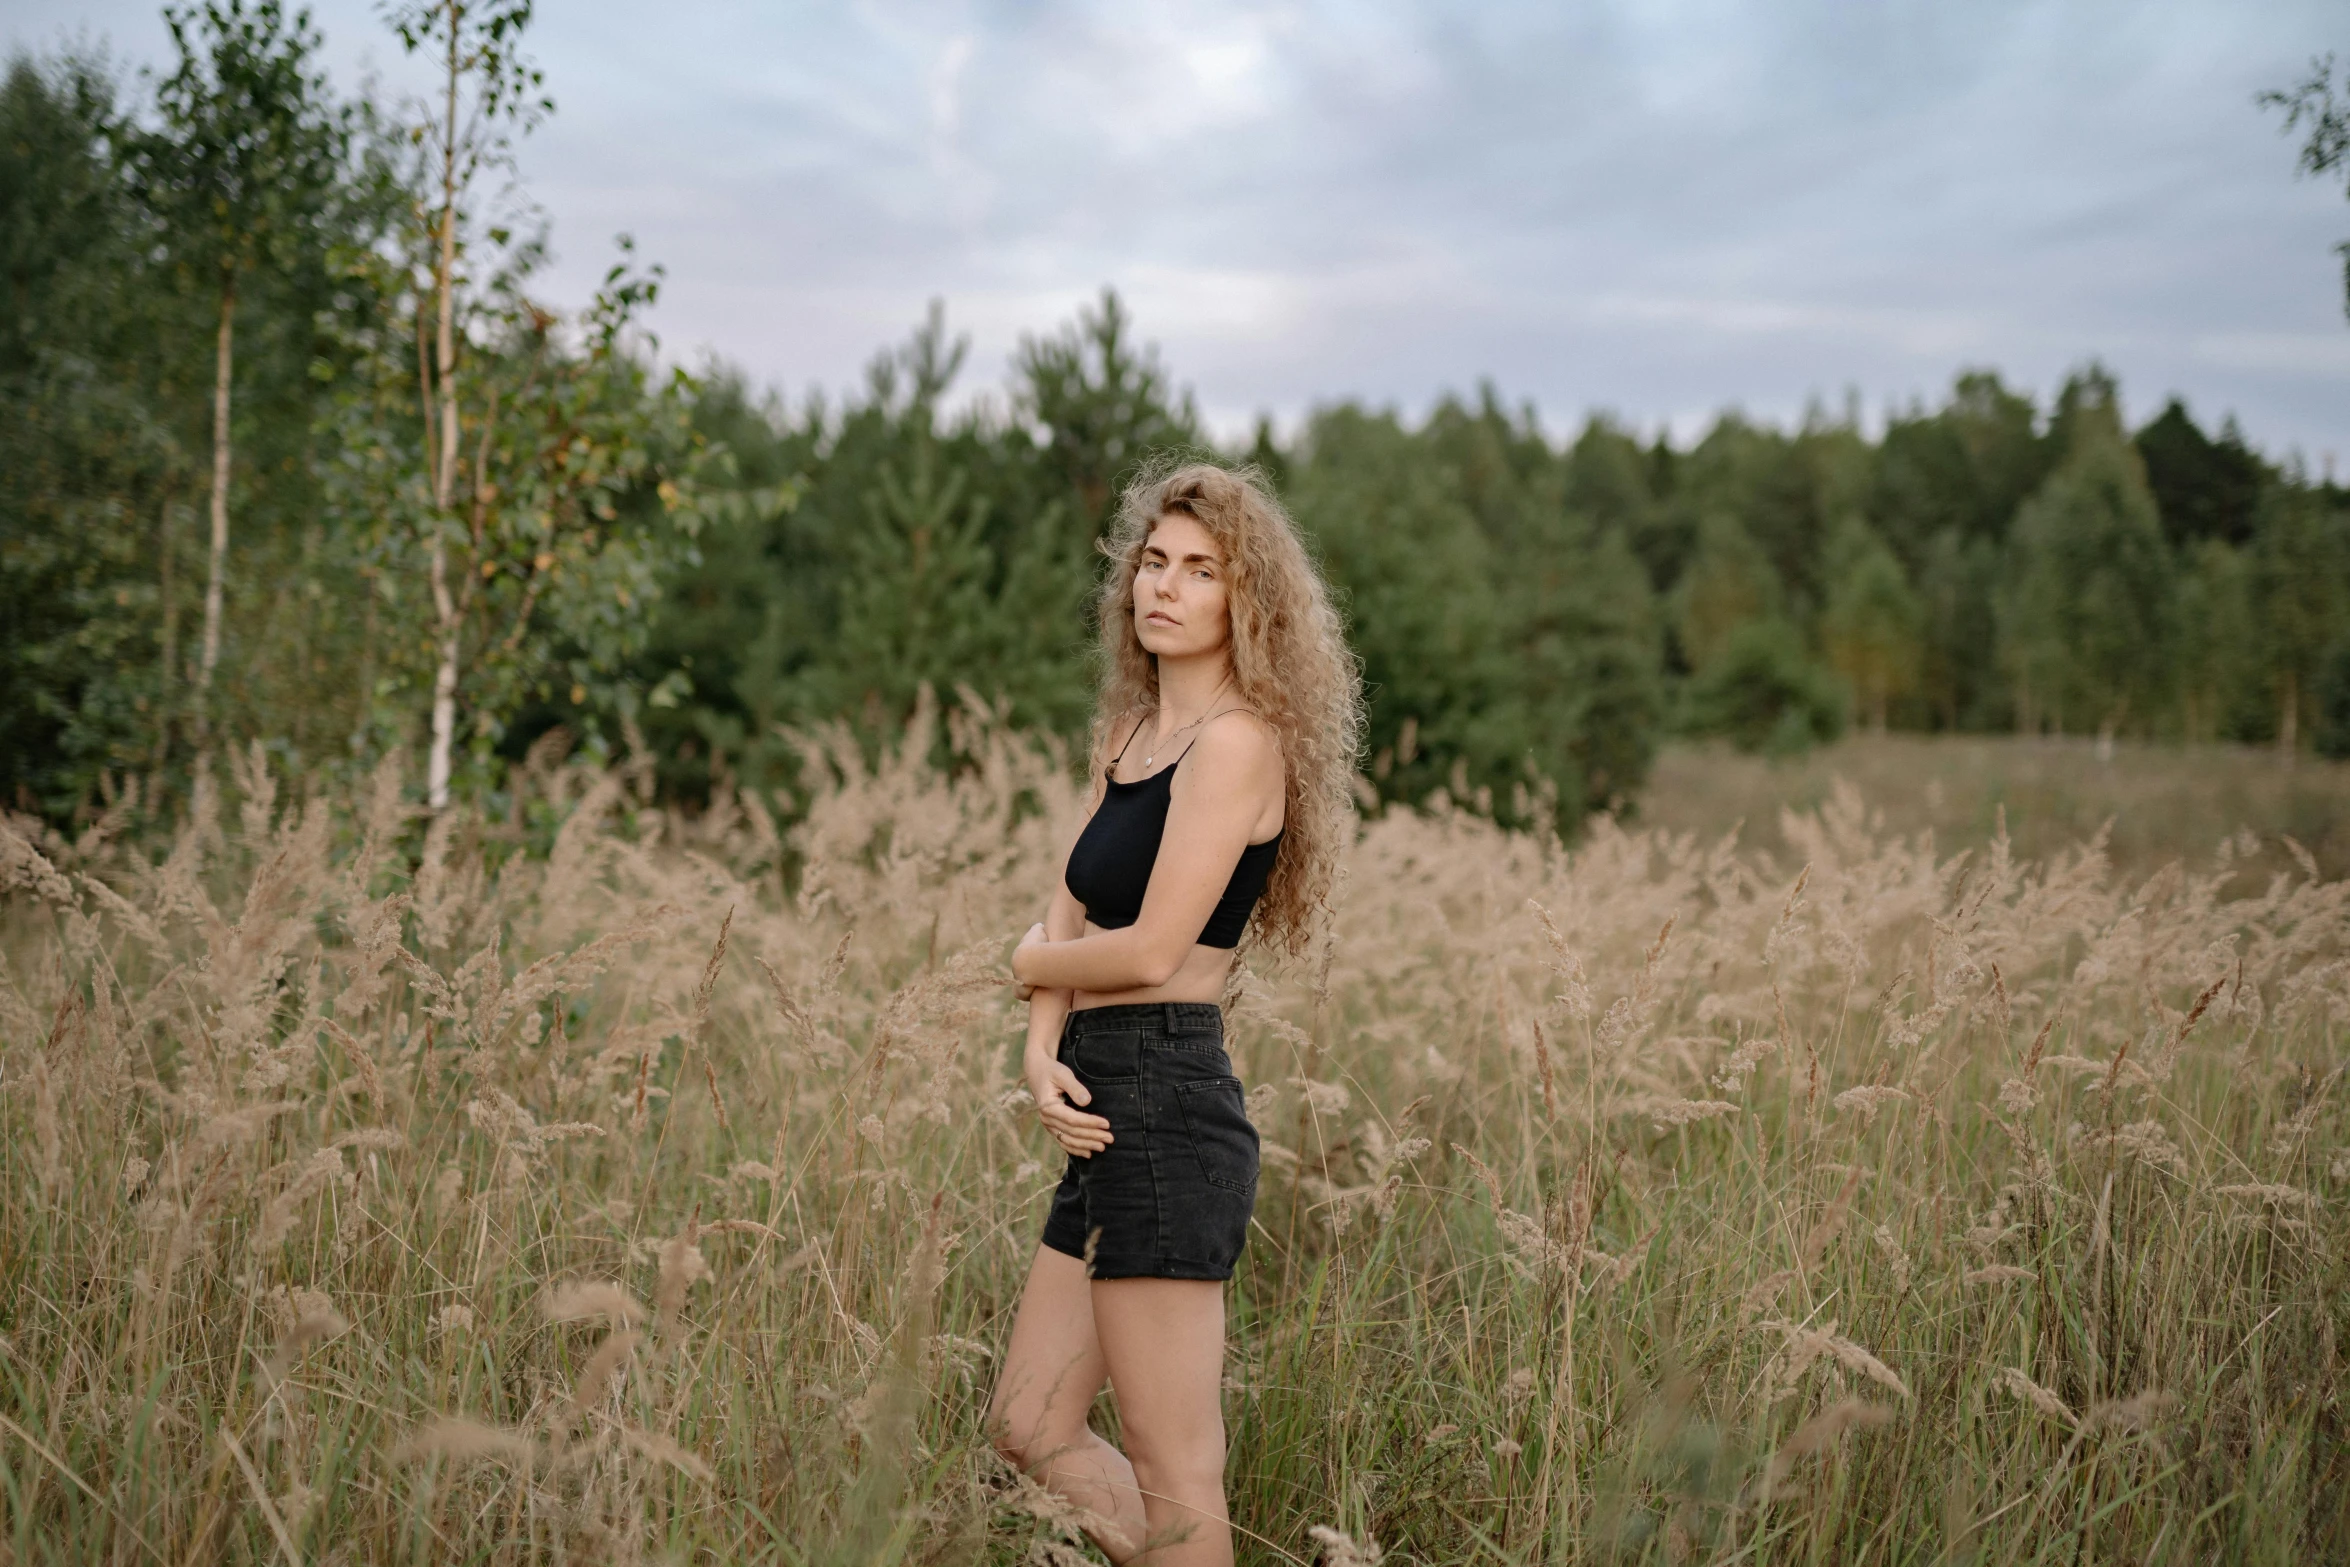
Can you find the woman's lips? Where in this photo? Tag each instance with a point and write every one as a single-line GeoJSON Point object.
{"type": "Point", "coordinates": [1162, 619]}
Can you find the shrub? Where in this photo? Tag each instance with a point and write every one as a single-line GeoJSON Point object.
{"type": "Point", "coordinates": [1763, 692]}
{"type": "Point", "coordinates": [2333, 702]}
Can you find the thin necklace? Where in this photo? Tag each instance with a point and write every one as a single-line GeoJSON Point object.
{"type": "Point", "coordinates": [1153, 754]}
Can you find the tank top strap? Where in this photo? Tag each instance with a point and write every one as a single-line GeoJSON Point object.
{"type": "Point", "coordinates": [1194, 740]}
{"type": "Point", "coordinates": [1129, 745]}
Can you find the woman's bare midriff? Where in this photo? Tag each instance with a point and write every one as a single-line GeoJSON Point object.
{"type": "Point", "coordinates": [1201, 978]}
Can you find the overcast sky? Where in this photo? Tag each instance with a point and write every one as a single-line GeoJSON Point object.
{"type": "Point", "coordinates": [1660, 207]}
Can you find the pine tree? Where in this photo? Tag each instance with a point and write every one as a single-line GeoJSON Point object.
{"type": "Point", "coordinates": [936, 591]}
{"type": "Point", "coordinates": [1959, 586]}
{"type": "Point", "coordinates": [1105, 404]}
{"type": "Point", "coordinates": [2218, 662]}
{"type": "Point", "coordinates": [1570, 599]}
{"type": "Point", "coordinates": [1872, 625]}
{"type": "Point", "coordinates": [88, 453]}
{"type": "Point", "coordinates": [2300, 565]}
{"type": "Point", "coordinates": [1763, 692]}
{"type": "Point", "coordinates": [1963, 468]}
{"type": "Point", "coordinates": [1729, 581]}
{"type": "Point", "coordinates": [1414, 573]}
{"type": "Point", "coordinates": [2205, 489]}
{"type": "Point", "coordinates": [2085, 618]}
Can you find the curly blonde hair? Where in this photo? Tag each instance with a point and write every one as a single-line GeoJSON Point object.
{"type": "Point", "coordinates": [1290, 663]}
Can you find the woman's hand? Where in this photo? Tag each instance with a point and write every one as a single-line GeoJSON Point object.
{"type": "Point", "coordinates": [1058, 1094]}
{"type": "Point", "coordinates": [1020, 987]}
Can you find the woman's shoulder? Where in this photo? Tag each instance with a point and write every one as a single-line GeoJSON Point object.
{"type": "Point", "coordinates": [1238, 740]}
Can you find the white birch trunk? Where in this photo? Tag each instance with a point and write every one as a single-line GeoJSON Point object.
{"type": "Point", "coordinates": [216, 578]}
{"type": "Point", "coordinates": [438, 765]}
{"type": "Point", "coordinates": [444, 684]}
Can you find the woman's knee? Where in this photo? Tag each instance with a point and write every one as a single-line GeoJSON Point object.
{"type": "Point", "coordinates": [1184, 1466]}
{"type": "Point", "coordinates": [1013, 1431]}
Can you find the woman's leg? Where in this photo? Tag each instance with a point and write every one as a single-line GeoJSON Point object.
{"type": "Point", "coordinates": [1053, 1367]}
{"type": "Point", "coordinates": [1162, 1341]}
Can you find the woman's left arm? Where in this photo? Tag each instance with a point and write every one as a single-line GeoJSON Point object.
{"type": "Point", "coordinates": [1229, 777]}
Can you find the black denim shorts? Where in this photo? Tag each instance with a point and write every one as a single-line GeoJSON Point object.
{"type": "Point", "coordinates": [1170, 1198]}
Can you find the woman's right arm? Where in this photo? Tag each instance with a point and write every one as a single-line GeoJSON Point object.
{"type": "Point", "coordinates": [1057, 1091]}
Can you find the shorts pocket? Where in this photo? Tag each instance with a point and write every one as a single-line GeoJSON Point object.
{"type": "Point", "coordinates": [1216, 1116]}
{"type": "Point", "coordinates": [1201, 1050]}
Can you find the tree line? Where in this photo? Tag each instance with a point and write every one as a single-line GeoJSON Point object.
{"type": "Point", "coordinates": [295, 455]}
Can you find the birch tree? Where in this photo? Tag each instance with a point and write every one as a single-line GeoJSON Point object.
{"type": "Point", "coordinates": [487, 94]}
{"type": "Point", "coordinates": [2315, 102]}
{"type": "Point", "coordinates": [245, 164]}
{"type": "Point", "coordinates": [523, 479]}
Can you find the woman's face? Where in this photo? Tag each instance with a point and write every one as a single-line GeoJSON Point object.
{"type": "Point", "coordinates": [1179, 603]}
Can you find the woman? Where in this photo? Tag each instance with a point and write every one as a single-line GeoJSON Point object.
{"type": "Point", "coordinates": [1223, 762]}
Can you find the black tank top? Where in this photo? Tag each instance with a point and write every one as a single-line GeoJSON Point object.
{"type": "Point", "coordinates": [1110, 864]}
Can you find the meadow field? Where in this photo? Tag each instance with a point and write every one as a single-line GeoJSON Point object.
{"type": "Point", "coordinates": [2153, 803]}
{"type": "Point", "coordinates": [573, 1180]}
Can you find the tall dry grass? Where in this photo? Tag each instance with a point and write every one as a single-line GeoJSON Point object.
{"type": "Point", "coordinates": [587, 1183]}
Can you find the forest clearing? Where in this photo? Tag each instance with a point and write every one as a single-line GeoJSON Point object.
{"type": "Point", "coordinates": [1828, 1045]}
{"type": "Point", "coordinates": [2154, 803]}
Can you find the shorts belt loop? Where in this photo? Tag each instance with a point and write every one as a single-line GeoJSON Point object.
{"type": "Point", "coordinates": [1172, 1030]}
